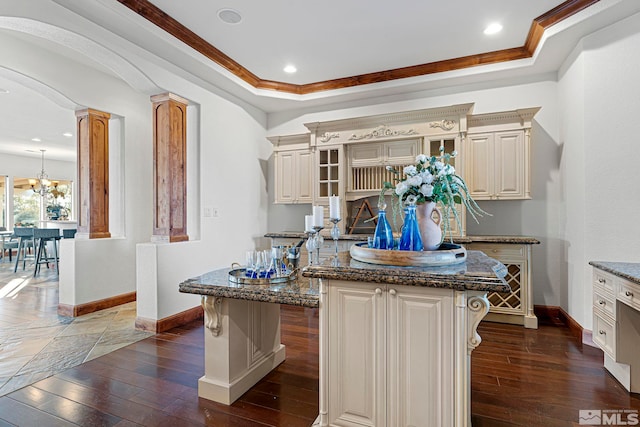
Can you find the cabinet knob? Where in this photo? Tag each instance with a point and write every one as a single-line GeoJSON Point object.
{"type": "Point", "coordinates": [602, 332]}
{"type": "Point", "coordinates": [392, 291]}
{"type": "Point", "coordinates": [628, 293]}
{"type": "Point", "coordinates": [602, 281]}
{"type": "Point", "coordinates": [378, 291]}
{"type": "Point", "coordinates": [602, 302]}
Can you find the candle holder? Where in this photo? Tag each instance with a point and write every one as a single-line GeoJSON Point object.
{"type": "Point", "coordinates": [310, 245]}
{"type": "Point", "coordinates": [335, 232]}
{"type": "Point", "coordinates": [319, 241]}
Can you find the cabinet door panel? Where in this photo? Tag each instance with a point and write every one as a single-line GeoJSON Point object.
{"type": "Point", "coordinates": [420, 369]}
{"type": "Point", "coordinates": [509, 152]}
{"type": "Point", "coordinates": [480, 170]}
{"type": "Point", "coordinates": [401, 152]}
{"type": "Point", "coordinates": [356, 361]}
{"type": "Point", "coordinates": [365, 154]}
{"type": "Point", "coordinates": [305, 177]}
{"type": "Point", "coordinates": [285, 177]}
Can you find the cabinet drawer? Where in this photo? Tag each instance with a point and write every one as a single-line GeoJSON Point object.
{"type": "Point", "coordinates": [604, 334]}
{"type": "Point", "coordinates": [629, 293]}
{"type": "Point", "coordinates": [604, 281]}
{"type": "Point", "coordinates": [604, 302]}
{"type": "Point", "coordinates": [499, 250]}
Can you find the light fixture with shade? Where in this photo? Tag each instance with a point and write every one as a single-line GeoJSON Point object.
{"type": "Point", "coordinates": [42, 180]}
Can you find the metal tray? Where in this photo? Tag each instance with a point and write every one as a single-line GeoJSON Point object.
{"type": "Point", "coordinates": [238, 275]}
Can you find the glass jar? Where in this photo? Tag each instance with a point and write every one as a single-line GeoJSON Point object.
{"type": "Point", "coordinates": [410, 239]}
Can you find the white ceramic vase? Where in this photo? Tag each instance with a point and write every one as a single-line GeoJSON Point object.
{"type": "Point", "coordinates": [429, 226]}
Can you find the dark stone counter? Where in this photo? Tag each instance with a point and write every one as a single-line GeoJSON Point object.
{"type": "Point", "coordinates": [625, 270]}
{"type": "Point", "coordinates": [478, 273]}
{"type": "Point", "coordinates": [460, 240]}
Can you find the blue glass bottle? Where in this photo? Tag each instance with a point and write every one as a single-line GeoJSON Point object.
{"type": "Point", "coordinates": [410, 239]}
{"type": "Point", "coordinates": [383, 236]}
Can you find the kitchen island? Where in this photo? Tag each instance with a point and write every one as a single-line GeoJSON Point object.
{"type": "Point", "coordinates": [395, 342]}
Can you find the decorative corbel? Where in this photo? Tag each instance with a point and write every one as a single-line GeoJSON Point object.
{"type": "Point", "coordinates": [478, 307]}
{"type": "Point", "coordinates": [212, 315]}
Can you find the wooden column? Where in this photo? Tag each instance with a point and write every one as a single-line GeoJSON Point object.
{"type": "Point", "coordinates": [169, 168]}
{"type": "Point", "coordinates": [93, 174]}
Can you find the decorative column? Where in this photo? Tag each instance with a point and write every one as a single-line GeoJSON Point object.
{"type": "Point", "coordinates": [93, 174]}
{"type": "Point", "coordinates": [169, 168]}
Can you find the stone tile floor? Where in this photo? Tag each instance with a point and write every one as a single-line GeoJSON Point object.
{"type": "Point", "coordinates": [36, 343]}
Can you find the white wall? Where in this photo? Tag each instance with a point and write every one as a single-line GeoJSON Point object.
{"type": "Point", "coordinates": [600, 90]}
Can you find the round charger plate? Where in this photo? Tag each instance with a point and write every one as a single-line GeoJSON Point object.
{"type": "Point", "coordinates": [447, 254]}
{"type": "Point", "coordinates": [238, 275]}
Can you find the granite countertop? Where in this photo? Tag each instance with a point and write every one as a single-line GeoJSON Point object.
{"type": "Point", "coordinates": [625, 270]}
{"type": "Point", "coordinates": [301, 292]}
{"type": "Point", "coordinates": [478, 273]}
{"type": "Point", "coordinates": [526, 240]}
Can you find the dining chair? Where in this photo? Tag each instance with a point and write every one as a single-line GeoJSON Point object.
{"type": "Point", "coordinates": [25, 236]}
{"type": "Point", "coordinates": [43, 236]}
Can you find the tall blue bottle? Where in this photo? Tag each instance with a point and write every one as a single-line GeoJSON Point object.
{"type": "Point", "coordinates": [383, 236]}
{"type": "Point", "coordinates": [410, 239]}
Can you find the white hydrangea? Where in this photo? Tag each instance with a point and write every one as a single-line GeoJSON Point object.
{"type": "Point", "coordinates": [401, 188]}
{"type": "Point", "coordinates": [427, 177]}
{"type": "Point", "coordinates": [414, 181]}
{"type": "Point", "coordinates": [410, 170]}
{"type": "Point", "coordinates": [439, 165]}
{"type": "Point", "coordinates": [421, 158]}
{"type": "Point", "coordinates": [426, 190]}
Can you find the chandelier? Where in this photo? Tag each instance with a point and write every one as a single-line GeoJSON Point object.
{"type": "Point", "coordinates": [43, 181]}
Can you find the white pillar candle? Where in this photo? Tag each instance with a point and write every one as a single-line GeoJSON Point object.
{"type": "Point", "coordinates": [334, 207]}
{"type": "Point", "coordinates": [318, 216]}
{"type": "Point", "coordinates": [308, 223]}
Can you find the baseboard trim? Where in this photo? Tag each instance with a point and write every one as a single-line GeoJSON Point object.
{"type": "Point", "coordinates": [558, 316]}
{"type": "Point", "coordinates": [67, 310]}
{"type": "Point", "coordinates": [162, 325]}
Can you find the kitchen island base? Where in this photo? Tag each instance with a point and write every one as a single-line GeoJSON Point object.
{"type": "Point", "coordinates": [242, 345]}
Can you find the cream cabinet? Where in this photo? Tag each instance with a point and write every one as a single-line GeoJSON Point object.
{"type": "Point", "coordinates": [391, 355]}
{"type": "Point", "coordinates": [293, 174]}
{"type": "Point", "coordinates": [515, 306]}
{"type": "Point", "coordinates": [616, 326]}
{"type": "Point", "coordinates": [498, 166]}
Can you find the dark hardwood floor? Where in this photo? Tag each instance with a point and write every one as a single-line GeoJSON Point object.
{"type": "Point", "coordinates": [520, 378]}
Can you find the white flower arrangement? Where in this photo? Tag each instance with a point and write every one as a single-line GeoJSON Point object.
{"type": "Point", "coordinates": [433, 179]}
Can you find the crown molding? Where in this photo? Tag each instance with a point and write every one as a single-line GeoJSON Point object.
{"type": "Point", "coordinates": [155, 15]}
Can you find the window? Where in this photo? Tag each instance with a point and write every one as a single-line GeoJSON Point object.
{"type": "Point", "coordinates": [26, 204]}
{"type": "Point", "coordinates": [3, 201]}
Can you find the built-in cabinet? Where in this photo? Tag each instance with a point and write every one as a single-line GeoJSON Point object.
{"type": "Point", "coordinates": [497, 168]}
{"type": "Point", "coordinates": [391, 355]}
{"type": "Point", "coordinates": [349, 156]}
{"type": "Point", "coordinates": [294, 166]}
{"type": "Point", "coordinates": [294, 177]}
{"type": "Point", "coordinates": [515, 306]}
{"type": "Point", "coordinates": [616, 326]}
{"type": "Point", "coordinates": [497, 155]}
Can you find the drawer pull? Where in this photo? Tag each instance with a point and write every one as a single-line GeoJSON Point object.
{"type": "Point", "coordinates": [378, 291]}
{"type": "Point", "coordinates": [628, 293]}
{"type": "Point", "coordinates": [602, 281]}
{"type": "Point", "coordinates": [392, 291]}
{"type": "Point", "coordinates": [602, 332]}
{"type": "Point", "coordinates": [602, 302]}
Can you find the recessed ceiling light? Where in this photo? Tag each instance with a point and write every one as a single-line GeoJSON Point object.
{"type": "Point", "coordinates": [67, 134]}
{"type": "Point", "coordinates": [36, 139]}
{"type": "Point", "coordinates": [493, 28]}
{"type": "Point", "coordinates": [290, 69]}
{"type": "Point", "coordinates": [230, 16]}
